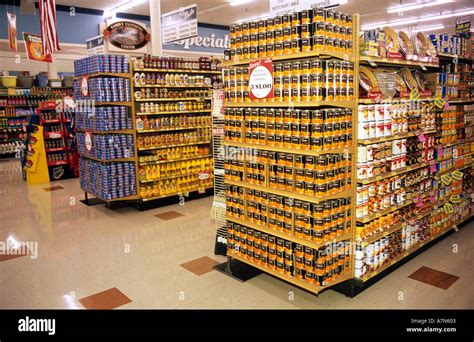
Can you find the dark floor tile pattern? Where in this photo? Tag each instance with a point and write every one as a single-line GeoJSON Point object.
{"type": "Point", "coordinates": [54, 188]}
{"type": "Point", "coordinates": [434, 277]}
{"type": "Point", "coordinates": [105, 300]}
{"type": "Point", "coordinates": [200, 266]}
{"type": "Point", "coordinates": [169, 215]}
{"type": "Point", "coordinates": [14, 253]}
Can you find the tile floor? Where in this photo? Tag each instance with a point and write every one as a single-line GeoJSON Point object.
{"type": "Point", "coordinates": [82, 251]}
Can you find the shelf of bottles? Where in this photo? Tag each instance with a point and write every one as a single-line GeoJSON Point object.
{"type": "Point", "coordinates": [289, 167]}
{"type": "Point", "coordinates": [105, 127]}
{"type": "Point", "coordinates": [172, 105]}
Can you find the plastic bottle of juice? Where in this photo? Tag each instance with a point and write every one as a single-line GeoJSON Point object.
{"type": "Point", "coordinates": [161, 186]}
{"type": "Point", "coordinates": [156, 190]}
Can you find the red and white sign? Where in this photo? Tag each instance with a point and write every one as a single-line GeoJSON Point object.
{"type": "Point", "coordinates": [88, 141]}
{"type": "Point", "coordinates": [204, 175]}
{"type": "Point", "coordinates": [85, 86]}
{"type": "Point", "coordinates": [12, 31]}
{"type": "Point", "coordinates": [261, 79]}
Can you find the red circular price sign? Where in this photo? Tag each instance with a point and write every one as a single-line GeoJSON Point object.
{"type": "Point", "coordinates": [261, 79]}
{"type": "Point", "coordinates": [85, 86]}
{"type": "Point", "coordinates": [88, 141]}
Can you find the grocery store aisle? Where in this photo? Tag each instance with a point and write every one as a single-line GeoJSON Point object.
{"type": "Point", "coordinates": [82, 251]}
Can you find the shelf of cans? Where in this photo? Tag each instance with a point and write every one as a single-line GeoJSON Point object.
{"type": "Point", "coordinates": [313, 30]}
{"type": "Point", "coordinates": [114, 118]}
{"type": "Point", "coordinates": [306, 267]}
{"type": "Point", "coordinates": [296, 129]}
{"type": "Point", "coordinates": [105, 136]}
{"type": "Point", "coordinates": [311, 80]}
{"type": "Point", "coordinates": [177, 124]}
{"type": "Point", "coordinates": [108, 181]}
{"type": "Point", "coordinates": [288, 166]}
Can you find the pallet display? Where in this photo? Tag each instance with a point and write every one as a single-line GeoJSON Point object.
{"type": "Point", "coordinates": [172, 106]}
{"type": "Point", "coordinates": [290, 158]}
{"type": "Point", "coordinates": [105, 127]}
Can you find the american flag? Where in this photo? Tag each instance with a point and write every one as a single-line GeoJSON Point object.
{"type": "Point", "coordinates": [49, 34]}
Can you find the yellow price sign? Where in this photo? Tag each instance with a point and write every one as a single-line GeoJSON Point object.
{"type": "Point", "coordinates": [455, 199]}
{"type": "Point", "coordinates": [448, 208]}
{"type": "Point", "coordinates": [446, 179]}
{"type": "Point", "coordinates": [439, 102]}
{"type": "Point", "coordinates": [457, 175]}
{"type": "Point", "coordinates": [414, 95]}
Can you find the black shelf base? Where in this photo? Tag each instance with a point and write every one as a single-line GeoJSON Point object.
{"type": "Point", "coordinates": [237, 270]}
{"type": "Point", "coordinates": [353, 287]}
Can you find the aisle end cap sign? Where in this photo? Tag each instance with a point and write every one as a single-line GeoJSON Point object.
{"type": "Point", "coordinates": [179, 24]}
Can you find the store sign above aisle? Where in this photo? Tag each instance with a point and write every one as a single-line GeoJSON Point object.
{"type": "Point", "coordinates": [261, 79]}
{"type": "Point", "coordinates": [95, 45]}
{"type": "Point", "coordinates": [126, 35]}
{"type": "Point", "coordinates": [179, 24]}
{"type": "Point", "coordinates": [463, 24]}
{"type": "Point", "coordinates": [280, 7]}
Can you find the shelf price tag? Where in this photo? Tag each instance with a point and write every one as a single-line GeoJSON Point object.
{"type": "Point", "coordinates": [421, 137]}
{"type": "Point", "coordinates": [457, 175]}
{"type": "Point", "coordinates": [432, 199]}
{"type": "Point", "coordinates": [371, 62]}
{"type": "Point", "coordinates": [433, 168]}
{"type": "Point", "coordinates": [422, 66]}
{"type": "Point", "coordinates": [414, 95]}
{"type": "Point", "coordinates": [201, 190]}
{"type": "Point", "coordinates": [439, 102]}
{"type": "Point", "coordinates": [446, 179]}
{"type": "Point", "coordinates": [455, 199]}
{"type": "Point", "coordinates": [448, 208]}
{"type": "Point", "coordinates": [420, 202]}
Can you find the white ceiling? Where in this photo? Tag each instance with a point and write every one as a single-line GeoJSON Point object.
{"type": "Point", "coordinates": [219, 12]}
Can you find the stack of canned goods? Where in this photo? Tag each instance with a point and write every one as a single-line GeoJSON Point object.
{"type": "Point", "coordinates": [107, 181]}
{"type": "Point", "coordinates": [101, 63]}
{"type": "Point", "coordinates": [104, 118]}
{"type": "Point", "coordinates": [107, 147]}
{"type": "Point", "coordinates": [307, 80]}
{"type": "Point", "coordinates": [309, 30]}
{"type": "Point", "coordinates": [292, 128]}
{"type": "Point", "coordinates": [105, 89]}
{"type": "Point", "coordinates": [201, 135]}
{"type": "Point", "coordinates": [445, 43]}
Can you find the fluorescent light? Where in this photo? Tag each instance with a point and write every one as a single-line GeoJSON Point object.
{"type": "Point", "coordinates": [416, 20]}
{"type": "Point", "coordinates": [260, 17]}
{"type": "Point", "coordinates": [239, 2]}
{"type": "Point", "coordinates": [428, 28]}
{"type": "Point", "coordinates": [111, 12]}
{"type": "Point", "coordinates": [411, 7]}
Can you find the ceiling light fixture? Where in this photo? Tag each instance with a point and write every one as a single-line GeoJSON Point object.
{"type": "Point", "coordinates": [111, 12]}
{"type": "Point", "coordinates": [239, 2]}
{"type": "Point", "coordinates": [411, 7]}
{"type": "Point", "coordinates": [416, 20]}
{"type": "Point", "coordinates": [428, 28]}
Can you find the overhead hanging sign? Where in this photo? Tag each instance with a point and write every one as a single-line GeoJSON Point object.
{"type": "Point", "coordinates": [179, 24]}
{"type": "Point", "coordinates": [95, 45]}
{"type": "Point", "coordinates": [280, 7]}
{"type": "Point", "coordinates": [34, 48]}
{"type": "Point", "coordinates": [261, 79]}
{"type": "Point", "coordinates": [126, 35]}
{"type": "Point", "coordinates": [12, 31]}
{"type": "Point", "coordinates": [463, 24]}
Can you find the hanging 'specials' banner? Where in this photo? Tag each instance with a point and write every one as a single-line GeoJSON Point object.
{"type": "Point", "coordinates": [12, 31]}
{"type": "Point", "coordinates": [126, 36]}
{"type": "Point", "coordinates": [34, 48]}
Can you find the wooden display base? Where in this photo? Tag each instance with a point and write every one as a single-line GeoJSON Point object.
{"type": "Point", "coordinates": [238, 270]}
{"type": "Point", "coordinates": [352, 287]}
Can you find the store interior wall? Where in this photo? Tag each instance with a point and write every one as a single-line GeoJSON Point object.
{"type": "Point", "coordinates": [74, 28]}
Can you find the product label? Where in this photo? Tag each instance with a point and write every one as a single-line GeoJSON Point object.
{"type": "Point", "coordinates": [88, 141]}
{"type": "Point", "coordinates": [422, 137]}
